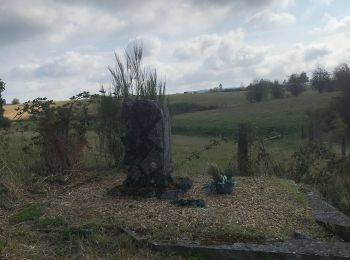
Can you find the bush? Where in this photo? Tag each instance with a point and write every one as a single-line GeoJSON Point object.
{"type": "Point", "coordinates": [15, 101]}
{"type": "Point", "coordinates": [297, 83]}
{"type": "Point", "coordinates": [60, 131]}
{"type": "Point", "coordinates": [342, 81]}
{"type": "Point", "coordinates": [313, 164]}
{"type": "Point", "coordinates": [108, 126]}
{"type": "Point", "coordinates": [4, 122]}
{"type": "Point", "coordinates": [321, 80]}
{"type": "Point", "coordinates": [277, 90]}
{"type": "Point", "coordinates": [258, 90]}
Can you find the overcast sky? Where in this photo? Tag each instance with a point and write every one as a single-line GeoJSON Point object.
{"type": "Point", "coordinates": [57, 48]}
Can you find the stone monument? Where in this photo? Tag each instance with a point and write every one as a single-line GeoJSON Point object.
{"type": "Point", "coordinates": [147, 147]}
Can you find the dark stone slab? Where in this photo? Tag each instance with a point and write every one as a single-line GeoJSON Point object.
{"type": "Point", "coordinates": [329, 216]}
{"type": "Point", "coordinates": [146, 140]}
{"type": "Point", "coordinates": [292, 249]}
{"type": "Point", "coordinates": [300, 235]}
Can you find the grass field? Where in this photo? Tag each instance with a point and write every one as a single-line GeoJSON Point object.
{"type": "Point", "coordinates": [284, 116]}
{"type": "Point", "coordinates": [44, 220]}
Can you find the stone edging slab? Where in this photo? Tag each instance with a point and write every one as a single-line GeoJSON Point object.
{"type": "Point", "coordinates": [328, 216]}
{"type": "Point", "coordinates": [292, 249]}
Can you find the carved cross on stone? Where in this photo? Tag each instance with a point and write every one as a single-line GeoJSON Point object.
{"type": "Point", "coordinates": [147, 148]}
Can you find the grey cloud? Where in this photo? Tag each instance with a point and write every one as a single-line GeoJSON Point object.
{"type": "Point", "coordinates": [314, 52]}
{"type": "Point", "coordinates": [15, 27]}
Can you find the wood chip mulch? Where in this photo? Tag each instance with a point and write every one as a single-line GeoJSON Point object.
{"type": "Point", "coordinates": [259, 210]}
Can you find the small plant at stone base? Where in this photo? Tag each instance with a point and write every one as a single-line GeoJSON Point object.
{"type": "Point", "coordinates": [223, 180]}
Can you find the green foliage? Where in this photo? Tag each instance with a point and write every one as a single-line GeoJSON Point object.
{"type": "Point", "coordinates": [262, 162]}
{"type": "Point", "coordinates": [2, 101]}
{"type": "Point", "coordinates": [277, 90]}
{"type": "Point", "coordinates": [108, 125]}
{"type": "Point", "coordinates": [30, 213]}
{"type": "Point", "coordinates": [308, 161]}
{"type": "Point", "coordinates": [221, 176]}
{"type": "Point", "coordinates": [258, 90]}
{"type": "Point", "coordinates": [60, 131]}
{"type": "Point", "coordinates": [15, 101]}
{"type": "Point", "coordinates": [3, 244]}
{"type": "Point", "coordinates": [321, 122]}
{"type": "Point", "coordinates": [131, 80]}
{"type": "Point", "coordinates": [4, 122]}
{"type": "Point", "coordinates": [342, 81]}
{"type": "Point", "coordinates": [321, 80]}
{"type": "Point", "coordinates": [196, 154]}
{"type": "Point", "coordinates": [52, 221]}
{"type": "Point", "coordinates": [297, 83]}
{"type": "Point", "coordinates": [315, 165]}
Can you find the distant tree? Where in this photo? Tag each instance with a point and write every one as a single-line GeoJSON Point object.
{"type": "Point", "coordinates": [217, 89]}
{"type": "Point", "coordinates": [297, 83]}
{"type": "Point", "coordinates": [321, 80]}
{"type": "Point", "coordinates": [258, 90]}
{"type": "Point", "coordinates": [2, 101]}
{"type": "Point", "coordinates": [342, 81]}
{"type": "Point", "coordinates": [341, 76]}
{"type": "Point", "coordinates": [220, 87]}
{"type": "Point", "coordinates": [15, 101]}
{"type": "Point", "coordinates": [4, 122]}
{"type": "Point", "coordinates": [277, 90]}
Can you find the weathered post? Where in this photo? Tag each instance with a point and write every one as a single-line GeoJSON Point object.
{"type": "Point", "coordinates": [243, 149]}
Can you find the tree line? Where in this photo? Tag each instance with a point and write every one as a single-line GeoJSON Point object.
{"type": "Point", "coordinates": [321, 81]}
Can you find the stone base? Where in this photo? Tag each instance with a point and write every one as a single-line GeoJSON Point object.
{"type": "Point", "coordinates": [174, 191]}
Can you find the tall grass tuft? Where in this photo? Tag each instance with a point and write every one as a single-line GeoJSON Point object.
{"type": "Point", "coordinates": [131, 80]}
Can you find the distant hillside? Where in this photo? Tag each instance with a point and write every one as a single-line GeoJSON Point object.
{"type": "Point", "coordinates": [219, 113]}
{"type": "Point", "coordinates": [275, 115]}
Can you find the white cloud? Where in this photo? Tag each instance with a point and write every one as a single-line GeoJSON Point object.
{"type": "Point", "coordinates": [335, 25]}
{"type": "Point", "coordinates": [274, 18]}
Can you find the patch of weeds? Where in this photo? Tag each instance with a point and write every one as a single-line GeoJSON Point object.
{"type": "Point", "coordinates": [3, 190]}
{"type": "Point", "coordinates": [52, 221]}
{"type": "Point", "coordinates": [3, 244]}
{"type": "Point", "coordinates": [93, 242]}
{"type": "Point", "coordinates": [298, 196]}
{"type": "Point", "coordinates": [124, 241]}
{"type": "Point", "coordinates": [30, 213]}
{"type": "Point", "coordinates": [235, 233]}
